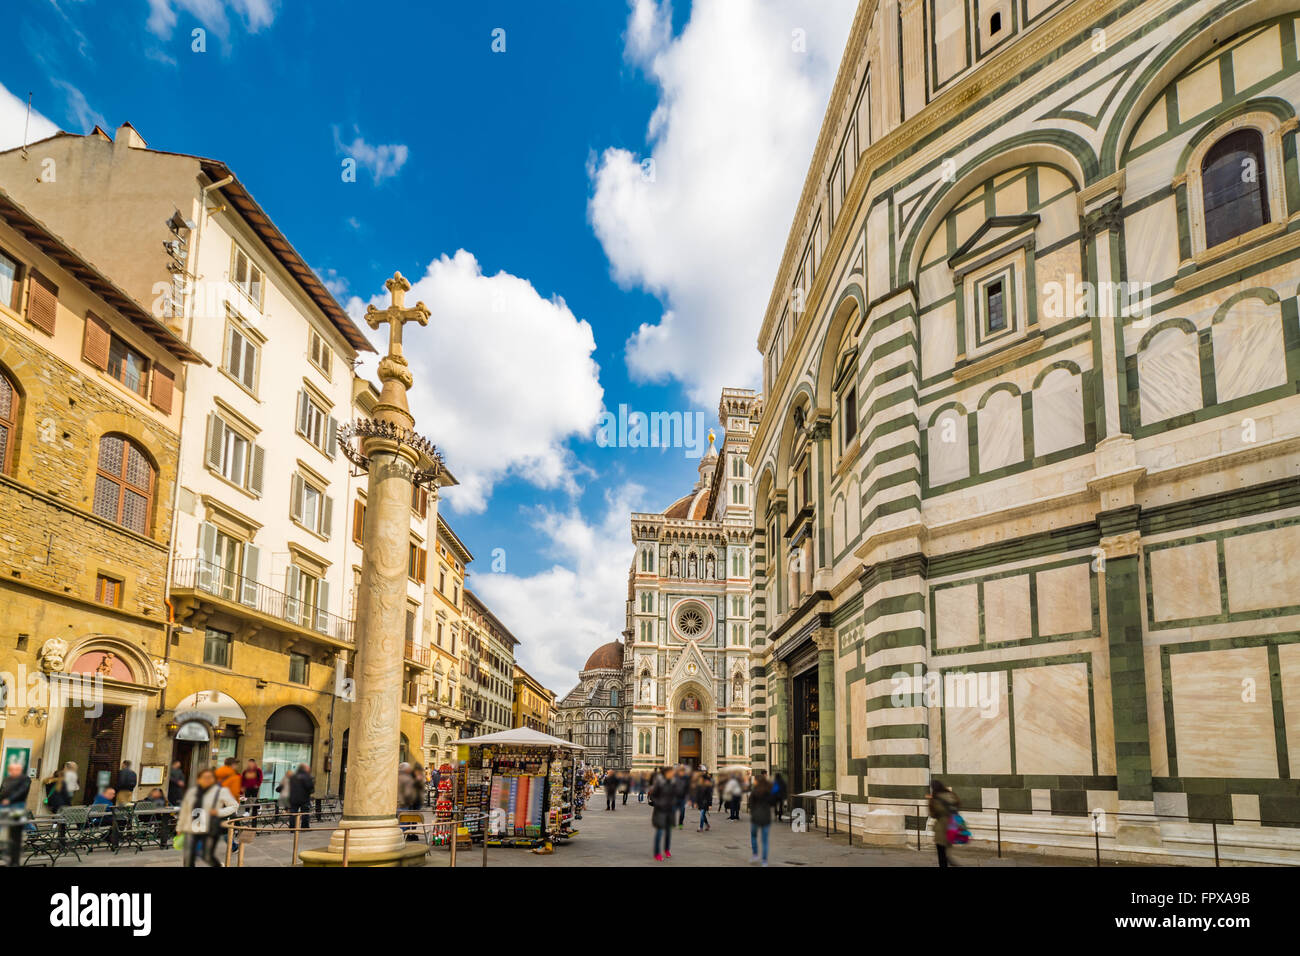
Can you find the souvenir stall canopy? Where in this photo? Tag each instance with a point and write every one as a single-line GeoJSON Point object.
{"type": "Point", "coordinates": [520, 784]}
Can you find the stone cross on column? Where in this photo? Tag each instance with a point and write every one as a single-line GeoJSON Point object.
{"type": "Point", "coordinates": [393, 369]}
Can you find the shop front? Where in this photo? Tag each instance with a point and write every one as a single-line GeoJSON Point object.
{"type": "Point", "coordinates": [290, 736]}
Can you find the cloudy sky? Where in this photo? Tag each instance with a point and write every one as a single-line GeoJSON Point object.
{"type": "Point", "coordinates": [591, 203]}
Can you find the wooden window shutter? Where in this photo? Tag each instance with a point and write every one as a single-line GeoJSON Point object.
{"type": "Point", "coordinates": [216, 441]}
{"type": "Point", "coordinates": [327, 516]}
{"type": "Point", "coordinates": [94, 345]}
{"type": "Point", "coordinates": [295, 498]}
{"type": "Point", "coordinates": [358, 521]}
{"type": "Point", "coordinates": [164, 383]}
{"type": "Point", "coordinates": [257, 472]}
{"type": "Point", "coordinates": [423, 565]}
{"type": "Point", "coordinates": [42, 304]}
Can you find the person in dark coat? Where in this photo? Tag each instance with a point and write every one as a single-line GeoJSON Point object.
{"type": "Point", "coordinates": [943, 804]}
{"type": "Point", "coordinates": [780, 794]}
{"type": "Point", "coordinates": [704, 800]}
{"type": "Point", "coordinates": [126, 781]}
{"type": "Point", "coordinates": [681, 787]}
{"type": "Point", "coordinates": [611, 789]}
{"type": "Point", "coordinates": [175, 784]}
{"type": "Point", "coordinates": [14, 789]}
{"type": "Point", "coordinates": [661, 795]}
{"type": "Point", "coordinates": [301, 786]}
{"type": "Point", "coordinates": [760, 815]}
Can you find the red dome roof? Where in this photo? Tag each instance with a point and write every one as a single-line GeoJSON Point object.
{"type": "Point", "coordinates": [607, 657]}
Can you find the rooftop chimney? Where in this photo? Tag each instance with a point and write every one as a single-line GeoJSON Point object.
{"type": "Point", "coordinates": [128, 137]}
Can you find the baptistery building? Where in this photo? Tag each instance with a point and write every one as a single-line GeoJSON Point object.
{"type": "Point", "coordinates": [1026, 507]}
{"type": "Point", "coordinates": [688, 645]}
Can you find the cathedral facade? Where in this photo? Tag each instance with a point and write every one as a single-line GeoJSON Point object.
{"type": "Point", "coordinates": [688, 643]}
{"type": "Point", "coordinates": [1027, 514]}
{"type": "Point", "coordinates": [594, 713]}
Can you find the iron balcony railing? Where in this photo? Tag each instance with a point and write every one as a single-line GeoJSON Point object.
{"type": "Point", "coordinates": [417, 653]}
{"type": "Point", "coordinates": [209, 578]}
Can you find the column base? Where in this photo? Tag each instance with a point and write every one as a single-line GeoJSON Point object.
{"type": "Point", "coordinates": [409, 854]}
{"type": "Point", "coordinates": [370, 842]}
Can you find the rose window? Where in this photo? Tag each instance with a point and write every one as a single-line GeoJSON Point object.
{"type": "Point", "coordinates": [691, 622]}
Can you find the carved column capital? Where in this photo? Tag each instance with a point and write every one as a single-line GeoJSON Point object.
{"type": "Point", "coordinates": [824, 638]}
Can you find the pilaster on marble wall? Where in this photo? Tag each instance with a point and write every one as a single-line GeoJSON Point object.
{"type": "Point", "coordinates": [778, 696]}
{"type": "Point", "coordinates": [1121, 569]}
{"type": "Point", "coordinates": [819, 447]}
{"type": "Point", "coordinates": [824, 638]}
{"type": "Point", "coordinates": [1102, 225]}
{"type": "Point", "coordinates": [912, 16]}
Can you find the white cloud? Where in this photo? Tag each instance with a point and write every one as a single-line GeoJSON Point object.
{"type": "Point", "coordinates": [503, 377]}
{"type": "Point", "coordinates": [738, 114]}
{"type": "Point", "coordinates": [83, 116]}
{"type": "Point", "coordinates": [565, 612]}
{"type": "Point", "coordinates": [255, 15]}
{"type": "Point", "coordinates": [13, 122]}
{"type": "Point", "coordinates": [382, 161]}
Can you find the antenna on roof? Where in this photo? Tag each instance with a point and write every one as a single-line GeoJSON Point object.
{"type": "Point", "coordinates": [27, 123]}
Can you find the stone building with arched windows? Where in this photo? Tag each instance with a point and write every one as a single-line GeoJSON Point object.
{"type": "Point", "coordinates": [90, 406]}
{"type": "Point", "coordinates": [1027, 511]}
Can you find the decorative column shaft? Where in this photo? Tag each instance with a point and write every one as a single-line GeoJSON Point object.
{"type": "Point", "coordinates": [825, 641]}
{"type": "Point", "coordinates": [390, 452]}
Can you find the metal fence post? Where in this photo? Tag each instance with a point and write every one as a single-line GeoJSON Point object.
{"type": "Point", "coordinates": [997, 812]}
{"type": "Point", "coordinates": [849, 809]}
{"type": "Point", "coordinates": [834, 821]}
{"type": "Point", "coordinates": [1214, 825]}
{"type": "Point", "coordinates": [297, 828]}
{"type": "Point", "coordinates": [920, 825]}
{"type": "Point", "coordinates": [1096, 837]}
{"type": "Point", "coordinates": [347, 839]}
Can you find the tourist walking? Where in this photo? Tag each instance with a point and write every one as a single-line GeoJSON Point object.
{"type": "Point", "coordinates": [704, 800]}
{"type": "Point", "coordinates": [779, 795]}
{"type": "Point", "coordinates": [662, 798]}
{"type": "Point", "coordinates": [734, 792]}
{"type": "Point", "coordinates": [60, 788]}
{"type": "Point", "coordinates": [611, 789]}
{"type": "Point", "coordinates": [229, 777]}
{"type": "Point", "coordinates": [301, 786]}
{"type": "Point", "coordinates": [760, 816]}
{"type": "Point", "coordinates": [681, 787]}
{"type": "Point", "coordinates": [250, 780]}
{"type": "Point", "coordinates": [203, 808]}
{"type": "Point", "coordinates": [624, 784]}
{"type": "Point", "coordinates": [943, 807]}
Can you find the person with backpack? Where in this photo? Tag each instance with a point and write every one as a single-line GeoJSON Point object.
{"type": "Point", "coordinates": [949, 827]}
{"type": "Point", "coordinates": [779, 794]}
{"type": "Point", "coordinates": [126, 781]}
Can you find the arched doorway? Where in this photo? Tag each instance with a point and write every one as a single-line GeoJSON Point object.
{"type": "Point", "coordinates": [290, 734]}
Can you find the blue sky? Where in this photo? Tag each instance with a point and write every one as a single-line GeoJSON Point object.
{"type": "Point", "coordinates": [594, 214]}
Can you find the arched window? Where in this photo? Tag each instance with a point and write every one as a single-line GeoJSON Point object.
{"type": "Point", "coordinates": [1233, 188]}
{"type": "Point", "coordinates": [8, 424]}
{"type": "Point", "coordinates": [124, 484]}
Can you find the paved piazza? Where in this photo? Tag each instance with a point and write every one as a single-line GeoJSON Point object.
{"type": "Point", "coordinates": [621, 838]}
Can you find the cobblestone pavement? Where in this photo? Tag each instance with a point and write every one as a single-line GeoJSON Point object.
{"type": "Point", "coordinates": [622, 837]}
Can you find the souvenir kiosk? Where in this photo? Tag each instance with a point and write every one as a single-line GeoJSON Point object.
{"type": "Point", "coordinates": [517, 787]}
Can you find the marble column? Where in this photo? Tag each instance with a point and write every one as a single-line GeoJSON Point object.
{"type": "Point", "coordinates": [390, 452]}
{"type": "Point", "coordinates": [824, 638]}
